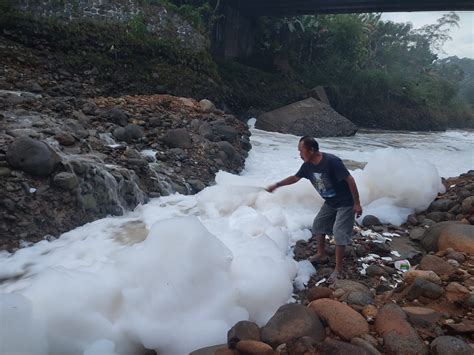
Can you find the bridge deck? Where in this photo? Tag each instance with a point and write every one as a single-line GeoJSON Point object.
{"type": "Point", "coordinates": [298, 7]}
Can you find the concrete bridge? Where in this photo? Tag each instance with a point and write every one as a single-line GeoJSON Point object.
{"type": "Point", "coordinates": [234, 34]}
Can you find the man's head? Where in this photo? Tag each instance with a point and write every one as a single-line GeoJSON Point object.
{"type": "Point", "coordinates": [308, 147]}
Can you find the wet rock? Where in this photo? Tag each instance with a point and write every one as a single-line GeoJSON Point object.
{"type": "Point", "coordinates": [89, 108]}
{"type": "Point", "coordinates": [290, 322]}
{"type": "Point", "coordinates": [469, 301]}
{"type": "Point", "coordinates": [178, 138]}
{"type": "Point", "coordinates": [413, 220]}
{"type": "Point", "coordinates": [436, 264]}
{"type": "Point", "coordinates": [253, 347]}
{"type": "Point", "coordinates": [456, 292]}
{"type": "Point", "coordinates": [450, 345]}
{"type": "Point", "coordinates": [422, 287]}
{"type": "Point", "coordinates": [370, 221]}
{"type": "Point", "coordinates": [459, 237]}
{"type": "Point", "coordinates": [243, 330]}
{"type": "Point", "coordinates": [398, 335]}
{"type": "Point", "coordinates": [75, 128]}
{"type": "Point", "coordinates": [466, 326]}
{"type": "Point", "coordinates": [214, 350]}
{"type": "Point", "coordinates": [456, 255]}
{"type": "Point", "coordinates": [315, 293]}
{"type": "Point", "coordinates": [32, 156]}
{"type": "Point", "coordinates": [342, 319]}
{"type": "Point", "coordinates": [66, 181]}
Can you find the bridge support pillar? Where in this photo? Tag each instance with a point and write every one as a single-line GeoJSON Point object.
{"type": "Point", "coordinates": [234, 33]}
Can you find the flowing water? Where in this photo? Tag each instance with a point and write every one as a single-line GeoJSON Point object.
{"type": "Point", "coordinates": [178, 272]}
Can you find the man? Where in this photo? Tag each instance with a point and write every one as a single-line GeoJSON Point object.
{"type": "Point", "coordinates": [335, 184]}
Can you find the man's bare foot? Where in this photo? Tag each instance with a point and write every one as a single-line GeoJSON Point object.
{"type": "Point", "coordinates": [336, 275]}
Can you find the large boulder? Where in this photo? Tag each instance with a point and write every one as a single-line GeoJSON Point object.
{"type": "Point", "coordinates": [307, 117]}
{"type": "Point", "coordinates": [32, 156]}
{"type": "Point", "coordinates": [429, 240]}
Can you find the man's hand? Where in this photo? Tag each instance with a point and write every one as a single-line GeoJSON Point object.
{"type": "Point", "coordinates": [271, 188]}
{"type": "Point", "coordinates": [357, 209]}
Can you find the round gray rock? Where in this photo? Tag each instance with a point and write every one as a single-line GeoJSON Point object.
{"type": "Point", "coordinates": [450, 345]}
{"type": "Point", "coordinates": [177, 138]}
{"type": "Point", "coordinates": [370, 221]}
{"type": "Point", "coordinates": [32, 156]}
{"type": "Point", "coordinates": [290, 322]}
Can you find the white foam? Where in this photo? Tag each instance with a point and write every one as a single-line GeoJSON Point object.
{"type": "Point", "coordinates": [208, 260]}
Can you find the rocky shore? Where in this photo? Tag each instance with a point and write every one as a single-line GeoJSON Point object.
{"type": "Point", "coordinates": [382, 308]}
{"type": "Point", "coordinates": [65, 161]}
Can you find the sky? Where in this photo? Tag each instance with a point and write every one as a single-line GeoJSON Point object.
{"type": "Point", "coordinates": [462, 43]}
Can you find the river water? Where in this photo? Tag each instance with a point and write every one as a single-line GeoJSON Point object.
{"type": "Point", "coordinates": [178, 272]}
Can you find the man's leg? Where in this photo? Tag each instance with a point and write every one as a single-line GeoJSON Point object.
{"type": "Point", "coordinates": [321, 240]}
{"type": "Point", "coordinates": [343, 235]}
{"type": "Point", "coordinates": [322, 225]}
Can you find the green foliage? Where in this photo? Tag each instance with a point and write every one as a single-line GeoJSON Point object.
{"type": "Point", "coordinates": [5, 6]}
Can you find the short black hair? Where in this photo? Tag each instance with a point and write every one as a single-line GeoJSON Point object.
{"type": "Point", "coordinates": [310, 143]}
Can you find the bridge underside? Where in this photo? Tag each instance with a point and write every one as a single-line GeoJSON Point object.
{"type": "Point", "coordinates": [299, 7]}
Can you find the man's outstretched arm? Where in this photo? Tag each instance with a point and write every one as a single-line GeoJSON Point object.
{"type": "Point", "coordinates": [355, 195]}
{"type": "Point", "coordinates": [287, 181]}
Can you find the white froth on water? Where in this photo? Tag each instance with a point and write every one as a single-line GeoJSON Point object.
{"type": "Point", "coordinates": [176, 274]}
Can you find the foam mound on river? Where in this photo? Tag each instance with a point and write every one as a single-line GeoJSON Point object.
{"type": "Point", "coordinates": [207, 262]}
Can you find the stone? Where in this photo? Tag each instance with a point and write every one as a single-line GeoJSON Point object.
{"type": "Point", "coordinates": [422, 317]}
{"type": "Point", "coordinates": [413, 220]}
{"type": "Point", "coordinates": [65, 138]}
{"type": "Point", "coordinates": [469, 301]}
{"type": "Point", "coordinates": [456, 292]}
{"type": "Point", "coordinates": [66, 181]}
{"type": "Point", "coordinates": [417, 234]}
{"type": "Point", "coordinates": [253, 347]}
{"type": "Point", "coordinates": [459, 237]}
{"type": "Point", "coordinates": [206, 106]}
{"type": "Point", "coordinates": [370, 221]}
{"type": "Point", "coordinates": [89, 108]}
{"type": "Point", "coordinates": [398, 335]}
{"type": "Point", "coordinates": [129, 133]}
{"type": "Point", "coordinates": [449, 345]}
{"type": "Point", "coordinates": [456, 255]}
{"type": "Point", "coordinates": [370, 312]}
{"type": "Point", "coordinates": [178, 138]}
{"type": "Point", "coordinates": [337, 347]}
{"type": "Point", "coordinates": [307, 117]}
{"type": "Point", "coordinates": [32, 156]}
{"type": "Point", "coordinates": [441, 205]}
{"type": "Point", "coordinates": [365, 345]}
{"type": "Point", "coordinates": [431, 276]}
{"type": "Point", "coordinates": [315, 293]}
{"type": "Point", "coordinates": [301, 346]}
{"type": "Point", "coordinates": [467, 205]}
{"type": "Point", "coordinates": [355, 292]}
{"type": "Point", "coordinates": [214, 350]}
{"type": "Point", "coordinates": [5, 172]}
{"type": "Point", "coordinates": [466, 326]}
{"type": "Point", "coordinates": [342, 319]}
{"type": "Point", "coordinates": [290, 322]}
{"type": "Point", "coordinates": [243, 330]}
{"type": "Point", "coordinates": [376, 270]}
{"type": "Point", "coordinates": [422, 287]}
{"type": "Point", "coordinates": [436, 264]}
{"type": "Point", "coordinates": [439, 216]}
{"type": "Point", "coordinates": [226, 132]}
{"type": "Point", "coordinates": [228, 149]}
{"type": "Point", "coordinates": [117, 116]}
{"type": "Point", "coordinates": [74, 127]}
{"type": "Point", "coordinates": [430, 238]}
